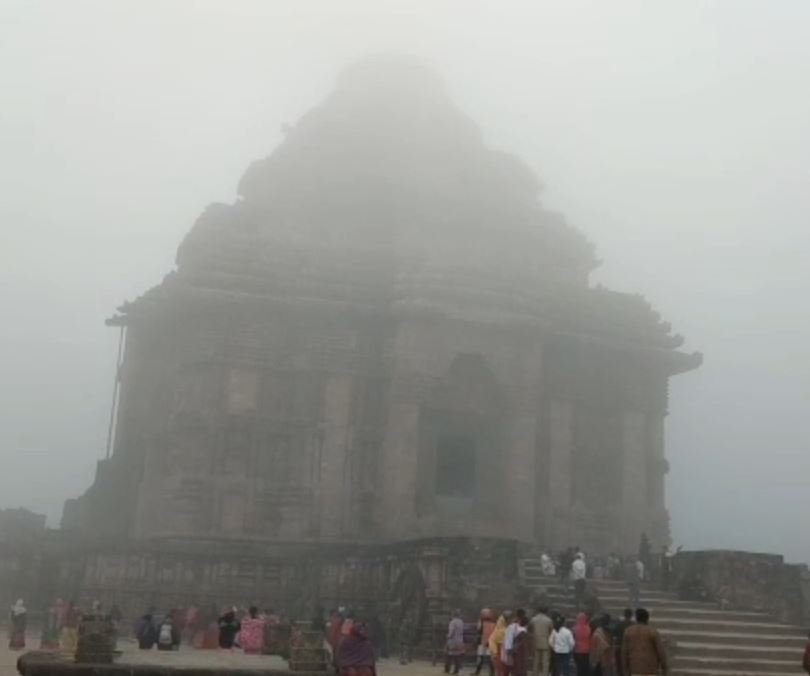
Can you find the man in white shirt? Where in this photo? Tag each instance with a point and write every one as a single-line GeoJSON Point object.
{"type": "Point", "coordinates": [579, 572]}
{"type": "Point", "coordinates": [641, 570]}
{"type": "Point", "coordinates": [562, 644]}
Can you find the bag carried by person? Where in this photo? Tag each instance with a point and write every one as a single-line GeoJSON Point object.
{"type": "Point", "coordinates": [165, 638]}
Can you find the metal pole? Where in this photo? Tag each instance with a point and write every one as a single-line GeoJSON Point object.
{"type": "Point", "coordinates": [116, 384]}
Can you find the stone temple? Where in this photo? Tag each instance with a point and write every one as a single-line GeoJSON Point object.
{"type": "Point", "coordinates": [386, 339]}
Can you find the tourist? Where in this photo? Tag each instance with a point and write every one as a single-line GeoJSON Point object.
{"type": "Point", "coordinates": [582, 645]}
{"type": "Point", "coordinates": [520, 642]}
{"type": "Point", "coordinates": [168, 634]}
{"type": "Point", "coordinates": [69, 635]}
{"type": "Point", "coordinates": [644, 555]}
{"type": "Point", "coordinates": [486, 624]}
{"type": "Point", "coordinates": [355, 653]}
{"type": "Point", "coordinates": [614, 566]}
{"type": "Point", "coordinates": [806, 660]}
{"type": "Point", "coordinates": [667, 566]}
{"type": "Point", "coordinates": [562, 644]}
{"type": "Point", "coordinates": [210, 637]}
{"type": "Point", "coordinates": [579, 572]}
{"type": "Point", "coordinates": [516, 627]}
{"type": "Point", "coordinates": [602, 658]}
{"type": "Point", "coordinates": [632, 578]}
{"type": "Point", "coordinates": [496, 640]}
{"type": "Point", "coordinates": [547, 566]}
{"type": "Point", "coordinates": [228, 629]}
{"type": "Point", "coordinates": [541, 628]}
{"type": "Point", "coordinates": [566, 559]}
{"type": "Point", "coordinates": [18, 622]}
{"type": "Point", "coordinates": [50, 628]}
{"type": "Point", "coordinates": [642, 649]}
{"type": "Point", "coordinates": [191, 624]}
{"type": "Point", "coordinates": [454, 650]}
{"type": "Point", "coordinates": [346, 627]}
{"type": "Point", "coordinates": [145, 630]}
{"type": "Point", "coordinates": [335, 627]}
{"type": "Point", "coordinates": [251, 635]}
{"type": "Point", "coordinates": [618, 638]}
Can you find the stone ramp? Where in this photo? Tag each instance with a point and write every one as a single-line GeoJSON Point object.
{"type": "Point", "coordinates": [704, 640]}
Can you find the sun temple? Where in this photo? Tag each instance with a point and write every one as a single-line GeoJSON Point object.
{"type": "Point", "coordinates": [386, 338]}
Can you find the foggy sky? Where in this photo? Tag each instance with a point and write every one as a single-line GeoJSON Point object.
{"type": "Point", "coordinates": [675, 135]}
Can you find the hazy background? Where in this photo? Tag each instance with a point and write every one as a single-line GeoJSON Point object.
{"type": "Point", "coordinates": [676, 135]}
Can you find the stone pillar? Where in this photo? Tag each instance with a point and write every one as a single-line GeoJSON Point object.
{"type": "Point", "coordinates": [561, 446]}
{"type": "Point", "coordinates": [521, 475]}
{"type": "Point", "coordinates": [634, 480]}
{"type": "Point", "coordinates": [333, 484]}
{"type": "Point", "coordinates": [656, 479]}
{"type": "Point", "coordinates": [400, 457]}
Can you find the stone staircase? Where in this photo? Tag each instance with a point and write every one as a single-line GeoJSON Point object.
{"type": "Point", "coordinates": [703, 639]}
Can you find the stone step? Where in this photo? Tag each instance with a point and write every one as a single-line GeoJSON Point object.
{"type": "Point", "coordinates": [660, 608]}
{"type": "Point", "coordinates": [619, 598]}
{"type": "Point", "coordinates": [660, 615]}
{"type": "Point", "coordinates": [617, 595]}
{"type": "Point", "coordinates": [759, 666]}
{"type": "Point", "coordinates": [729, 626]}
{"type": "Point", "coordinates": [709, 614]}
{"type": "Point", "coordinates": [534, 575]}
{"type": "Point", "coordinates": [764, 640]}
{"type": "Point", "coordinates": [691, 671]}
{"type": "Point", "coordinates": [731, 651]}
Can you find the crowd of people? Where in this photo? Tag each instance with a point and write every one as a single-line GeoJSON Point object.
{"type": "Point", "coordinates": [249, 630]}
{"type": "Point", "coordinates": [60, 626]}
{"type": "Point", "coordinates": [594, 646]}
{"type": "Point", "coordinates": [509, 644]}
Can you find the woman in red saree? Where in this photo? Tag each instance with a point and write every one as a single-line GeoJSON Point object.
{"type": "Point", "coordinates": [210, 633]}
{"type": "Point", "coordinates": [355, 653]}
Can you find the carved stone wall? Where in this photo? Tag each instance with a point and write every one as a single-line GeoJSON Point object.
{"type": "Point", "coordinates": [387, 337]}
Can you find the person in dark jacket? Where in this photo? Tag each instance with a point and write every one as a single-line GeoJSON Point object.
{"type": "Point", "coordinates": [355, 653]}
{"type": "Point", "coordinates": [228, 629]}
{"type": "Point", "coordinates": [643, 652]}
{"type": "Point", "coordinates": [618, 637]}
{"type": "Point", "coordinates": [145, 631]}
{"type": "Point", "coordinates": [806, 660]}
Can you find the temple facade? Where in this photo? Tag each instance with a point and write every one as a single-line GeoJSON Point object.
{"type": "Point", "coordinates": [387, 338]}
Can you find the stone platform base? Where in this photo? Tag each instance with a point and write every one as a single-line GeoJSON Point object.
{"type": "Point", "coordinates": [160, 663]}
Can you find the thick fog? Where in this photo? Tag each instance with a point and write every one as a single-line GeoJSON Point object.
{"type": "Point", "coordinates": [675, 135]}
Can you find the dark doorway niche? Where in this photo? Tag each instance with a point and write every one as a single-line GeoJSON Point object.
{"type": "Point", "coordinates": [455, 467]}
